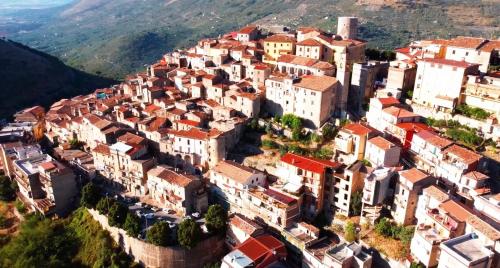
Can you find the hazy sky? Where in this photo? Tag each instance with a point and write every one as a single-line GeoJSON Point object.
{"type": "Point", "coordinates": [30, 4]}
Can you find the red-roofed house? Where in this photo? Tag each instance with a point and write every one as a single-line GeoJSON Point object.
{"type": "Point", "coordinates": [247, 33]}
{"type": "Point", "coordinates": [381, 152]}
{"type": "Point", "coordinates": [301, 175]}
{"type": "Point", "coordinates": [350, 142]}
{"type": "Point", "coordinates": [240, 228]}
{"type": "Point", "coordinates": [259, 252]}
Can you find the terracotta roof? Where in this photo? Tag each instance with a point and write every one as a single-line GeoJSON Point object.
{"type": "Point", "coordinates": [278, 38]}
{"type": "Point", "coordinates": [454, 63]}
{"type": "Point", "coordinates": [412, 126]}
{"type": "Point", "coordinates": [171, 176]}
{"type": "Point", "coordinates": [308, 29]}
{"type": "Point", "coordinates": [262, 248]}
{"type": "Point", "coordinates": [436, 193]}
{"type": "Point", "coordinates": [244, 224]}
{"type": "Point", "coordinates": [297, 60]}
{"type": "Point", "coordinates": [456, 210]}
{"type": "Point", "coordinates": [308, 163]}
{"type": "Point", "coordinates": [188, 122]}
{"type": "Point", "coordinates": [47, 165]}
{"type": "Point", "coordinates": [388, 101]}
{"type": "Point", "coordinates": [413, 175]}
{"type": "Point", "coordinates": [316, 83]}
{"type": "Point", "coordinates": [196, 133]}
{"type": "Point", "coordinates": [381, 143]}
{"type": "Point", "coordinates": [131, 138]}
{"type": "Point", "coordinates": [399, 112]}
{"type": "Point", "coordinates": [358, 129]}
{"type": "Point", "coordinates": [466, 155]}
{"type": "Point", "coordinates": [491, 45]}
{"type": "Point", "coordinates": [483, 227]}
{"type": "Point", "coordinates": [476, 175]}
{"type": "Point", "coordinates": [309, 42]}
{"type": "Point", "coordinates": [466, 42]}
{"type": "Point", "coordinates": [102, 149]}
{"type": "Point", "coordinates": [247, 29]}
{"type": "Point", "coordinates": [151, 108]}
{"type": "Point", "coordinates": [235, 171]}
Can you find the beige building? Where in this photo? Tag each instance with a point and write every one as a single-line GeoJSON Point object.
{"type": "Point", "coordinates": [437, 93]}
{"type": "Point", "coordinates": [473, 50]}
{"type": "Point", "coordinates": [45, 185]}
{"type": "Point", "coordinates": [181, 192]}
{"type": "Point", "coordinates": [400, 77]}
{"type": "Point", "coordinates": [125, 163]}
{"type": "Point", "coordinates": [311, 97]}
{"type": "Point", "coordinates": [350, 142]}
{"type": "Point", "coordinates": [483, 92]}
{"type": "Point", "coordinates": [409, 186]}
{"type": "Point", "coordinates": [348, 181]}
{"type": "Point", "coordinates": [466, 251]}
{"type": "Point", "coordinates": [240, 228]}
{"type": "Point", "coordinates": [309, 48]}
{"type": "Point", "coordinates": [381, 152]}
{"type": "Point", "coordinates": [298, 65]}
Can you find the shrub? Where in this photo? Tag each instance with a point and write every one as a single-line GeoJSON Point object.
{"type": "Point", "coordinates": [270, 144]}
{"type": "Point", "coordinates": [328, 132]}
{"type": "Point", "coordinates": [296, 134]}
{"type": "Point", "coordinates": [104, 205]}
{"type": "Point", "coordinates": [3, 222]}
{"type": "Point", "coordinates": [159, 234]}
{"type": "Point", "coordinates": [216, 219]}
{"type": "Point", "coordinates": [350, 232]}
{"type": "Point", "coordinates": [473, 112]}
{"type": "Point", "coordinates": [355, 206]}
{"type": "Point", "coordinates": [292, 121]}
{"type": "Point", "coordinates": [189, 233]}
{"type": "Point", "coordinates": [7, 189]}
{"type": "Point", "coordinates": [20, 206]}
{"type": "Point", "coordinates": [323, 153]}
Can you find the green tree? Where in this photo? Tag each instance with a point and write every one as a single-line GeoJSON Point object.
{"type": "Point", "coordinates": [328, 132]}
{"type": "Point", "coordinates": [355, 206]}
{"type": "Point", "coordinates": [117, 214]}
{"type": "Point", "coordinates": [189, 233]}
{"type": "Point", "coordinates": [132, 225]}
{"type": "Point", "coordinates": [91, 194]}
{"type": "Point", "coordinates": [104, 205]}
{"type": "Point", "coordinates": [296, 134]}
{"type": "Point", "coordinates": [384, 227]}
{"type": "Point", "coordinates": [291, 121]}
{"type": "Point", "coordinates": [159, 234]}
{"type": "Point", "coordinates": [350, 232]}
{"type": "Point", "coordinates": [216, 219]}
{"type": "Point", "coordinates": [3, 222]}
{"type": "Point", "coordinates": [7, 189]}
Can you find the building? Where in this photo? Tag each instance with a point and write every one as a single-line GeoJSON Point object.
{"type": "Point", "coordinates": [483, 92]}
{"type": "Point", "coordinates": [277, 45]}
{"type": "Point", "coordinates": [381, 152]}
{"type": "Point", "coordinates": [350, 142]}
{"type": "Point", "coordinates": [465, 251]}
{"type": "Point", "coordinates": [298, 65]}
{"type": "Point", "coordinates": [247, 33]}
{"type": "Point", "coordinates": [229, 179]}
{"type": "Point", "coordinates": [306, 177]}
{"type": "Point", "coordinates": [455, 162]}
{"type": "Point", "coordinates": [259, 252]}
{"type": "Point", "coordinates": [409, 186]}
{"type": "Point", "coordinates": [240, 228]}
{"type": "Point", "coordinates": [11, 151]}
{"type": "Point", "coordinates": [310, 97]}
{"type": "Point", "coordinates": [309, 48]}
{"type": "Point", "coordinates": [437, 93]}
{"type": "Point", "coordinates": [181, 192]}
{"type": "Point", "coordinates": [347, 27]}
{"type": "Point", "coordinates": [347, 255]}
{"type": "Point", "coordinates": [45, 185]}
{"type": "Point", "coordinates": [474, 50]}
{"type": "Point", "coordinates": [364, 78]}
{"type": "Point", "coordinates": [400, 77]}
{"type": "Point", "coordinates": [375, 192]}
{"type": "Point", "coordinates": [348, 181]}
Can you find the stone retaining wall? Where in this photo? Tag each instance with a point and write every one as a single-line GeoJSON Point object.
{"type": "Point", "coordinates": [207, 251]}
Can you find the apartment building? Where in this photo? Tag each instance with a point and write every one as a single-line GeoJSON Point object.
{"type": "Point", "coordinates": [307, 177]}
{"type": "Point", "coordinates": [309, 48]}
{"type": "Point", "coordinates": [381, 152]}
{"type": "Point", "coordinates": [472, 49]}
{"type": "Point", "coordinates": [310, 97]}
{"type": "Point", "coordinates": [456, 162]}
{"type": "Point", "coordinates": [125, 163]}
{"type": "Point", "coordinates": [400, 77]}
{"type": "Point", "coordinates": [483, 92]}
{"type": "Point", "coordinates": [488, 205]}
{"type": "Point", "coordinates": [298, 65]}
{"type": "Point", "coordinates": [409, 186]}
{"type": "Point", "coordinates": [350, 142]}
{"type": "Point", "coordinates": [348, 180]}
{"type": "Point", "coordinates": [247, 33]}
{"type": "Point", "coordinates": [465, 251]}
{"type": "Point", "coordinates": [364, 80]}
{"type": "Point", "coordinates": [11, 151]}
{"type": "Point", "coordinates": [181, 192]}
{"type": "Point", "coordinates": [229, 179]}
{"type": "Point", "coordinates": [375, 191]}
{"type": "Point", "coordinates": [347, 255]}
{"type": "Point", "coordinates": [441, 94]}
{"type": "Point", "coordinates": [277, 45]}
{"type": "Point", "coordinates": [45, 185]}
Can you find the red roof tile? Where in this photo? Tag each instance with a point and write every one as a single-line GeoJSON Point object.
{"type": "Point", "coordinates": [309, 163]}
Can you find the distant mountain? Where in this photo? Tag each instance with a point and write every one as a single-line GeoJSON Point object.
{"type": "Point", "coordinates": [120, 36]}
{"type": "Point", "coordinates": [30, 77]}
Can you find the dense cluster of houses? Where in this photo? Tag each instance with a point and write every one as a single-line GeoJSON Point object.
{"type": "Point", "coordinates": [166, 134]}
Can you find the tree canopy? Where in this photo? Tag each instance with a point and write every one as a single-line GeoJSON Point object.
{"type": "Point", "coordinates": [355, 206]}
{"type": "Point", "coordinates": [216, 219]}
{"type": "Point", "coordinates": [104, 205]}
{"type": "Point", "coordinates": [132, 225]}
{"type": "Point", "coordinates": [7, 189]}
{"type": "Point", "coordinates": [91, 194]}
{"type": "Point", "coordinates": [117, 214]}
{"type": "Point", "coordinates": [159, 234]}
{"type": "Point", "coordinates": [189, 233]}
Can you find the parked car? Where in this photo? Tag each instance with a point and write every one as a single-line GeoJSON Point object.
{"type": "Point", "coordinates": [149, 216]}
{"type": "Point", "coordinates": [196, 215]}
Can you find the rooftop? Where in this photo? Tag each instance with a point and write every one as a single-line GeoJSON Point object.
{"type": "Point", "coordinates": [309, 163]}
{"type": "Point", "coordinates": [317, 83]}
{"type": "Point", "coordinates": [413, 175]}
{"type": "Point", "coordinates": [381, 143]}
{"type": "Point", "coordinates": [468, 247]}
{"type": "Point", "coordinates": [235, 171]}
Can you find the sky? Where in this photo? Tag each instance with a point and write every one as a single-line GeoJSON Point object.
{"type": "Point", "coordinates": [31, 4]}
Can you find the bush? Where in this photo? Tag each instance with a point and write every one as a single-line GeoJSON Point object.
{"type": "Point", "coordinates": [366, 162]}
{"type": "Point", "coordinates": [473, 112]}
{"type": "Point", "coordinates": [189, 233]}
{"type": "Point", "coordinates": [117, 214]}
{"type": "Point", "coordinates": [132, 225]}
{"type": "Point", "coordinates": [104, 205]}
{"type": "Point", "coordinates": [328, 132]}
{"type": "Point", "coordinates": [296, 149]}
{"type": "Point", "coordinates": [7, 189]}
{"type": "Point", "coordinates": [388, 229]}
{"type": "Point", "coordinates": [465, 136]}
{"type": "Point", "coordinates": [270, 144]}
{"type": "Point", "coordinates": [159, 234]}
{"type": "Point", "coordinates": [291, 121]}
{"type": "Point", "coordinates": [323, 153]}
{"type": "Point", "coordinates": [384, 227]}
{"type": "Point", "coordinates": [350, 232]}
{"type": "Point", "coordinates": [296, 134]}
{"type": "Point", "coordinates": [355, 206]}
{"type": "Point", "coordinates": [20, 206]}
{"type": "Point", "coordinates": [216, 219]}
{"type": "Point", "coordinates": [91, 194]}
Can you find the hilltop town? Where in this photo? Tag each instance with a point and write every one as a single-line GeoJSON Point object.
{"type": "Point", "coordinates": [278, 147]}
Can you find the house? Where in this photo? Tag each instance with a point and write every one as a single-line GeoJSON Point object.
{"type": "Point", "coordinates": [259, 252]}
{"type": "Point", "coordinates": [309, 48]}
{"type": "Point", "coordinates": [465, 251]}
{"type": "Point", "coordinates": [364, 79]}
{"type": "Point", "coordinates": [483, 92]}
{"type": "Point", "coordinates": [297, 65]}
{"type": "Point", "coordinates": [181, 192]}
{"type": "Point", "coordinates": [350, 142]}
{"type": "Point", "coordinates": [409, 186]}
{"type": "Point", "coordinates": [432, 91]}
{"type": "Point", "coordinates": [400, 77]}
{"type": "Point", "coordinates": [381, 152]}
{"type": "Point", "coordinates": [347, 255]}
{"type": "Point", "coordinates": [32, 114]}
{"type": "Point", "coordinates": [307, 177]}
{"type": "Point", "coordinates": [229, 179]}
{"type": "Point", "coordinates": [277, 45]}
{"type": "Point", "coordinates": [348, 181]}
{"type": "Point", "coordinates": [247, 33]}
{"type": "Point", "coordinates": [45, 185]}
{"type": "Point", "coordinates": [240, 228]}
{"type": "Point", "coordinates": [375, 192]}
{"type": "Point", "coordinates": [310, 97]}
{"type": "Point", "coordinates": [457, 161]}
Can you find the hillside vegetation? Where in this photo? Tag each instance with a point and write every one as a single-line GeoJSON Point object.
{"type": "Point", "coordinates": [31, 77]}
{"type": "Point", "coordinates": [114, 38]}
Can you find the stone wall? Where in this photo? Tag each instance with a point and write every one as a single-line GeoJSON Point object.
{"type": "Point", "coordinates": [207, 251]}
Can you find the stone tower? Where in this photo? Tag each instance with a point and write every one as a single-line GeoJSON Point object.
{"type": "Point", "coordinates": [347, 27]}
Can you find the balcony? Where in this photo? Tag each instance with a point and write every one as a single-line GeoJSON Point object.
{"type": "Point", "coordinates": [344, 144]}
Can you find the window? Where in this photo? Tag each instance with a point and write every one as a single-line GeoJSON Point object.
{"type": "Point", "coordinates": [453, 52]}
{"type": "Point", "coordinates": [466, 53]}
